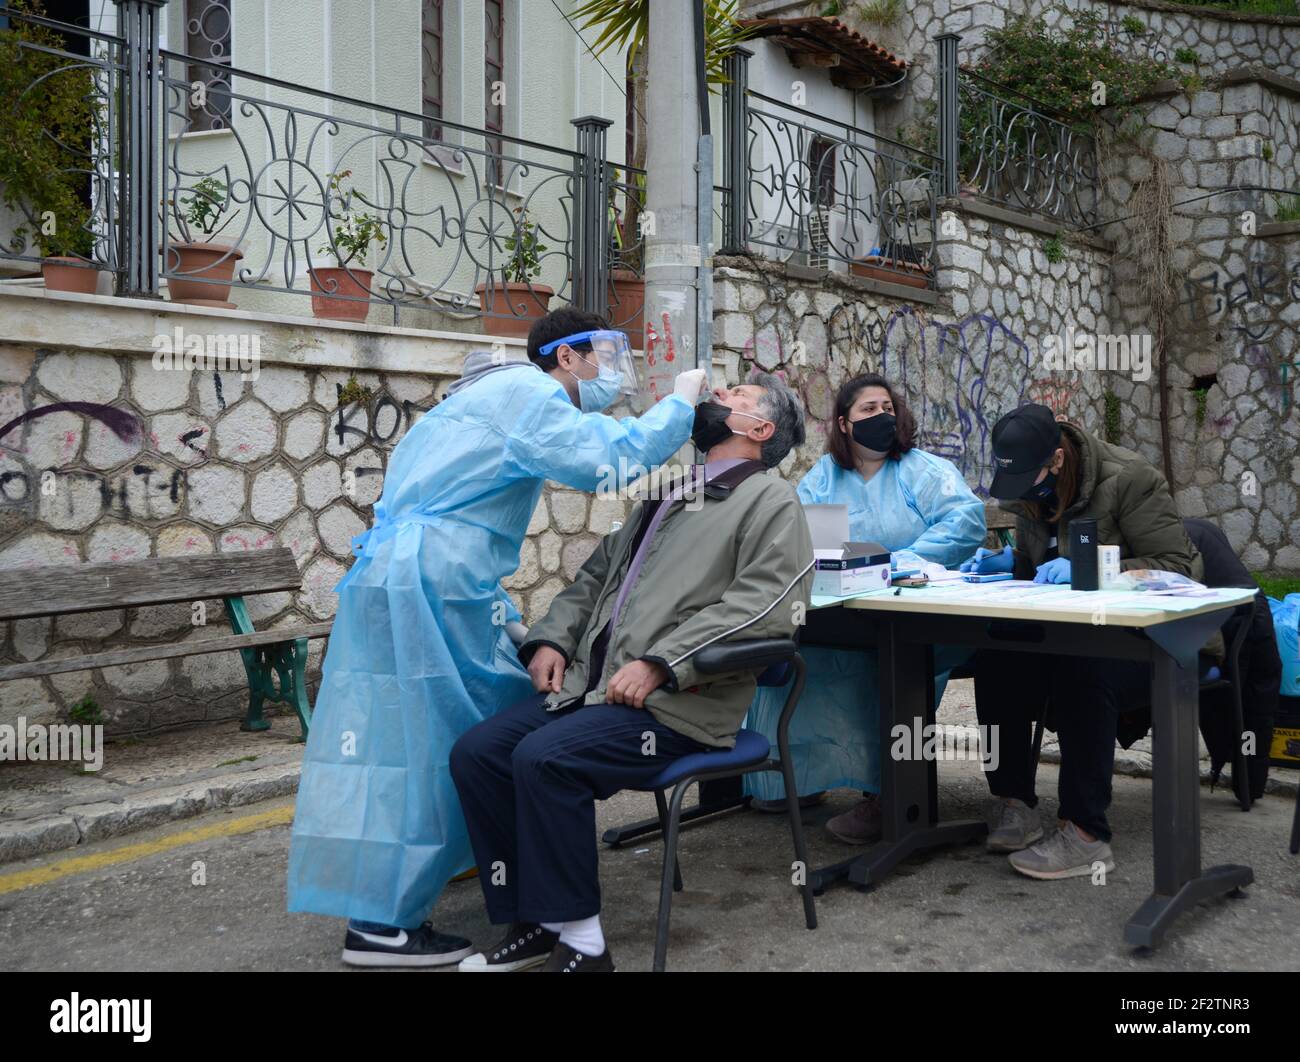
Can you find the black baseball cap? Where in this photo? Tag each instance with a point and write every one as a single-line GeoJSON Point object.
{"type": "Point", "coordinates": [1023, 443]}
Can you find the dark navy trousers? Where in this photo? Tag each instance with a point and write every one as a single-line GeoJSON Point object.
{"type": "Point", "coordinates": [529, 780]}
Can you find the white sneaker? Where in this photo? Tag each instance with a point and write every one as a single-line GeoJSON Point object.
{"type": "Point", "coordinates": [1063, 855]}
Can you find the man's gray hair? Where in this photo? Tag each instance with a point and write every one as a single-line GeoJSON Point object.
{"type": "Point", "coordinates": [781, 406]}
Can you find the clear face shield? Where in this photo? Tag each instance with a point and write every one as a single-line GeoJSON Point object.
{"type": "Point", "coordinates": [610, 352]}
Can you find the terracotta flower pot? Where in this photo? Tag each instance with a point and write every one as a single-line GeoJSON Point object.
{"type": "Point", "coordinates": [69, 274]}
{"type": "Point", "coordinates": [518, 304]}
{"type": "Point", "coordinates": [627, 305]}
{"type": "Point", "coordinates": [206, 271]}
{"type": "Point", "coordinates": [891, 271]}
{"type": "Point", "coordinates": [340, 280]}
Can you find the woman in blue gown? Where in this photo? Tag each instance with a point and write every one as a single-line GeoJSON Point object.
{"type": "Point", "coordinates": [904, 499]}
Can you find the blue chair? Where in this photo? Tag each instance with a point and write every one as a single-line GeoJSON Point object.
{"type": "Point", "coordinates": [773, 657]}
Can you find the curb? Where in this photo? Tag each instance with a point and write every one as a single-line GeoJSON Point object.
{"type": "Point", "coordinates": [88, 823]}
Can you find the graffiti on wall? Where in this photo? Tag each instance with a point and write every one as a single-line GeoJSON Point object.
{"type": "Point", "coordinates": [1252, 303]}
{"type": "Point", "coordinates": [960, 376]}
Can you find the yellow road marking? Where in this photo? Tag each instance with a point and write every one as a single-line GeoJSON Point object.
{"type": "Point", "coordinates": [69, 865]}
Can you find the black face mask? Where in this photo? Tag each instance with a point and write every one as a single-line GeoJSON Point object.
{"type": "Point", "coordinates": [1042, 492]}
{"type": "Point", "coordinates": [710, 425]}
{"type": "Point", "coordinates": [878, 433]}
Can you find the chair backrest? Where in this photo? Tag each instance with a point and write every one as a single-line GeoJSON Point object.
{"type": "Point", "coordinates": [1222, 565]}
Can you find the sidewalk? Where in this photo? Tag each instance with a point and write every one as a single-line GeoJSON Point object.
{"type": "Point", "coordinates": [48, 807]}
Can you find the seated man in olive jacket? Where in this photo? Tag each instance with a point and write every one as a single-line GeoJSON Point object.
{"type": "Point", "coordinates": [726, 554]}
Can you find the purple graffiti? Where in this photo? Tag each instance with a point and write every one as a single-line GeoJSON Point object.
{"type": "Point", "coordinates": [126, 426]}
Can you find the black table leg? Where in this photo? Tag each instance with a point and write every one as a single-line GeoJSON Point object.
{"type": "Point", "coordinates": [1176, 809]}
{"type": "Point", "coordinates": [908, 784]}
{"type": "Point", "coordinates": [716, 795]}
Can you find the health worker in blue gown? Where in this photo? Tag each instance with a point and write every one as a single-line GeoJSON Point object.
{"type": "Point", "coordinates": [422, 640]}
{"type": "Point", "coordinates": [906, 500]}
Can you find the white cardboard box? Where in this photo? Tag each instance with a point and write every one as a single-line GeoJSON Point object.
{"type": "Point", "coordinates": [842, 567]}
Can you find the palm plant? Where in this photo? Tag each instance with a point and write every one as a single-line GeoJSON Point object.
{"type": "Point", "coordinates": [624, 24]}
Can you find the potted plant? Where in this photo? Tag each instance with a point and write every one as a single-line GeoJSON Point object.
{"type": "Point", "coordinates": [342, 292]}
{"type": "Point", "coordinates": [66, 261]}
{"type": "Point", "coordinates": [515, 300]}
{"type": "Point", "coordinates": [51, 116]}
{"type": "Point", "coordinates": [891, 270]}
{"type": "Point", "coordinates": [205, 270]}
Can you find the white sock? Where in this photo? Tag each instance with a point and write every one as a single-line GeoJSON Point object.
{"type": "Point", "coordinates": [585, 936]}
{"type": "Point", "coordinates": [551, 927]}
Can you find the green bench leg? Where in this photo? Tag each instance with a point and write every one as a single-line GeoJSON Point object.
{"type": "Point", "coordinates": [296, 692]}
{"type": "Point", "coordinates": [254, 720]}
{"type": "Point", "coordinates": [285, 660]}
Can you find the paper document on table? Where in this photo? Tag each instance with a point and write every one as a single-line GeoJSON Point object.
{"type": "Point", "coordinates": [1020, 593]}
{"type": "Point", "coordinates": [1055, 596]}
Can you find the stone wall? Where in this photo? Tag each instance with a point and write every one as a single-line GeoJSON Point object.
{"type": "Point", "coordinates": [1235, 330]}
{"type": "Point", "coordinates": [218, 463]}
{"type": "Point", "coordinates": [1222, 39]}
{"type": "Point", "coordinates": [962, 359]}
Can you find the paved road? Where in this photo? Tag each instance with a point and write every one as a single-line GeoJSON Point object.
{"type": "Point", "coordinates": [132, 905]}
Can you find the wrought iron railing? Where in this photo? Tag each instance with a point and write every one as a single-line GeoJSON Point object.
{"type": "Point", "coordinates": [280, 184]}
{"type": "Point", "coordinates": [453, 220]}
{"type": "Point", "coordinates": [66, 161]}
{"type": "Point", "coordinates": [824, 193]}
{"type": "Point", "coordinates": [1018, 151]}
{"type": "Point", "coordinates": [1000, 144]}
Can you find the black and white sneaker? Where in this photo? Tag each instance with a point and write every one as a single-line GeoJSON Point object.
{"type": "Point", "coordinates": [523, 946]}
{"type": "Point", "coordinates": [390, 946]}
{"type": "Point", "coordinates": [565, 959]}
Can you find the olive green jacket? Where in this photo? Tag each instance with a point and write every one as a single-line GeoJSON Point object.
{"type": "Point", "coordinates": [732, 565]}
{"type": "Point", "coordinates": [1131, 503]}
{"type": "Point", "coordinates": [1134, 510]}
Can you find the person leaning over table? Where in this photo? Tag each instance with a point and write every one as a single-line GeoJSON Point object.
{"type": "Point", "coordinates": [1051, 474]}
{"type": "Point", "coordinates": [905, 499]}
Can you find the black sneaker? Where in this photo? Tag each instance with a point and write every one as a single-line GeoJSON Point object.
{"type": "Point", "coordinates": [390, 946]}
{"type": "Point", "coordinates": [524, 945]}
{"type": "Point", "coordinates": [565, 959]}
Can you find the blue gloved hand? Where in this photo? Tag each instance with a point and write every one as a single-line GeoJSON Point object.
{"type": "Point", "coordinates": [1054, 571]}
{"type": "Point", "coordinates": [989, 561]}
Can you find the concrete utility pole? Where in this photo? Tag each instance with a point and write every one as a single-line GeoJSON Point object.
{"type": "Point", "coordinates": [678, 200]}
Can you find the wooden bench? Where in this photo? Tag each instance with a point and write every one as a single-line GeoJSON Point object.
{"type": "Point", "coordinates": [58, 590]}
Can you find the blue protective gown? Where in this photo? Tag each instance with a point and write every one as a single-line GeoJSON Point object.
{"type": "Point", "coordinates": [419, 653]}
{"type": "Point", "coordinates": [920, 503]}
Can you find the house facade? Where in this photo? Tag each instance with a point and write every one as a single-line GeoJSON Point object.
{"type": "Point", "coordinates": [838, 249]}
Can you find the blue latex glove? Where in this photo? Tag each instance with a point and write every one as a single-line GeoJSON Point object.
{"type": "Point", "coordinates": [989, 561]}
{"type": "Point", "coordinates": [1054, 571]}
